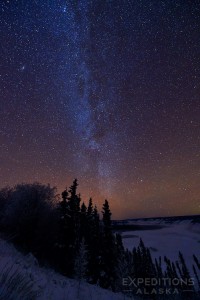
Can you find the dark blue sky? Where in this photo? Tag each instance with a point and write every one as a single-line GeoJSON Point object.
{"type": "Point", "coordinates": [105, 91]}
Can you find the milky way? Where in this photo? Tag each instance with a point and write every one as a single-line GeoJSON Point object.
{"type": "Point", "coordinates": [105, 91]}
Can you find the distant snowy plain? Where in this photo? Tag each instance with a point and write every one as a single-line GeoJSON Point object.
{"type": "Point", "coordinates": [167, 240]}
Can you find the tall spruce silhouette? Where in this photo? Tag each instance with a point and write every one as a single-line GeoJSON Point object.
{"type": "Point", "coordinates": [94, 242]}
{"type": "Point", "coordinates": [83, 221]}
{"type": "Point", "coordinates": [69, 228]}
{"type": "Point", "coordinates": [108, 255]}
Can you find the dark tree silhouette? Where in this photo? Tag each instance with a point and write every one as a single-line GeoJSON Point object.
{"type": "Point", "coordinates": [108, 254]}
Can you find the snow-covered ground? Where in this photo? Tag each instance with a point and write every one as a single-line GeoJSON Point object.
{"type": "Point", "coordinates": [181, 236]}
{"type": "Point", "coordinates": [167, 240]}
{"type": "Point", "coordinates": [46, 282]}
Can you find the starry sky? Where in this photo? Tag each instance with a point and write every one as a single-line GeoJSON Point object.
{"type": "Point", "coordinates": [107, 91]}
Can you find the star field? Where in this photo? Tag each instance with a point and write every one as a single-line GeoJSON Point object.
{"type": "Point", "coordinates": [105, 91]}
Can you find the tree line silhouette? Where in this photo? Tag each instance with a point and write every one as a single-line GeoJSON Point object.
{"type": "Point", "coordinates": [66, 234]}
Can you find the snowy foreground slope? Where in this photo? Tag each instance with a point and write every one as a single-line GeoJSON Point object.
{"type": "Point", "coordinates": [45, 282]}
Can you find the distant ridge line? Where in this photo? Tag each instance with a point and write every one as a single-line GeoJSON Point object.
{"type": "Point", "coordinates": [172, 218]}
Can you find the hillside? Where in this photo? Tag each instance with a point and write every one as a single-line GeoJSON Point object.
{"type": "Point", "coordinates": [20, 271]}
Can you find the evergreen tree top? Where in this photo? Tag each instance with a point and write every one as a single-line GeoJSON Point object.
{"type": "Point", "coordinates": [95, 212]}
{"type": "Point", "coordinates": [73, 188]}
{"type": "Point", "coordinates": [106, 214]}
{"type": "Point", "coordinates": [90, 207]}
{"type": "Point", "coordinates": [83, 208]}
{"type": "Point", "coordinates": [65, 194]}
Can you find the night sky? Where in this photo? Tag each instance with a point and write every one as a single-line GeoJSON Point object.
{"type": "Point", "coordinates": [107, 91]}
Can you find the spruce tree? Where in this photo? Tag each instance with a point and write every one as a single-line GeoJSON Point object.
{"type": "Point", "coordinates": [121, 265]}
{"type": "Point", "coordinates": [195, 270]}
{"type": "Point", "coordinates": [83, 221]}
{"type": "Point", "coordinates": [94, 247]}
{"type": "Point", "coordinates": [63, 240]}
{"type": "Point", "coordinates": [185, 271]}
{"type": "Point", "coordinates": [108, 254]}
{"type": "Point", "coordinates": [69, 228]}
{"type": "Point", "coordinates": [74, 199]}
{"type": "Point", "coordinates": [196, 276]}
{"type": "Point", "coordinates": [196, 261]}
{"type": "Point", "coordinates": [83, 208]}
{"type": "Point", "coordinates": [106, 218]}
{"type": "Point", "coordinates": [90, 207]}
